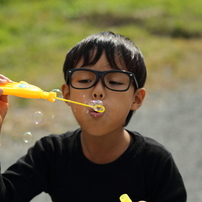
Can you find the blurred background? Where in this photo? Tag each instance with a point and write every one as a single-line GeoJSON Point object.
{"type": "Point", "coordinates": [35, 36]}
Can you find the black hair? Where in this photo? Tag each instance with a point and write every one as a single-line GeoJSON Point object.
{"type": "Point", "coordinates": [91, 48]}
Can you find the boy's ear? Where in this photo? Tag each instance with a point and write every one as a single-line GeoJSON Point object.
{"type": "Point", "coordinates": [66, 92]}
{"type": "Point", "coordinates": [138, 98]}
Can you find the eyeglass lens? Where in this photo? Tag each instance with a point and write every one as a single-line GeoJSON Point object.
{"type": "Point", "coordinates": [113, 80]}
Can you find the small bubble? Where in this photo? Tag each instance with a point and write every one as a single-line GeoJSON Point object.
{"type": "Point", "coordinates": [38, 117]}
{"type": "Point", "coordinates": [84, 96]}
{"type": "Point", "coordinates": [27, 137]}
{"type": "Point", "coordinates": [58, 93]}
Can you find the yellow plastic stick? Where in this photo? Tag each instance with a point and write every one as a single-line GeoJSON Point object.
{"type": "Point", "coordinates": [98, 108]}
{"type": "Point", "coordinates": [25, 90]}
{"type": "Point", "coordinates": [125, 198]}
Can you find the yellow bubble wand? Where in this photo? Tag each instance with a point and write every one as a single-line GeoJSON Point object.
{"type": "Point", "coordinates": [96, 107]}
{"type": "Point", "coordinates": [25, 90]}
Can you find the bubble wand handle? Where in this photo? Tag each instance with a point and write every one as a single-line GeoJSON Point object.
{"type": "Point", "coordinates": [25, 90]}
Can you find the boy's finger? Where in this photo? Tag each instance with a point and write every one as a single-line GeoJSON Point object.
{"type": "Point", "coordinates": [4, 79]}
{"type": "Point", "coordinates": [3, 98]}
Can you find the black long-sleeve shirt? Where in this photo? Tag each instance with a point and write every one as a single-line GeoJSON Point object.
{"type": "Point", "coordinates": [57, 166]}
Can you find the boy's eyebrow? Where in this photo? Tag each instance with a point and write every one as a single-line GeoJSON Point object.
{"type": "Point", "coordinates": [117, 65]}
{"type": "Point", "coordinates": [87, 65]}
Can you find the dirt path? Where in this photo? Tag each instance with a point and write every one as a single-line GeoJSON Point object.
{"type": "Point", "coordinates": [172, 118]}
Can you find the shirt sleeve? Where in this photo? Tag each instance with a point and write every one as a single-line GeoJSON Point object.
{"type": "Point", "coordinates": [28, 176]}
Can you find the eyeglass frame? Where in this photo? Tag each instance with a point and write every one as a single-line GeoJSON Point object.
{"type": "Point", "coordinates": [101, 74]}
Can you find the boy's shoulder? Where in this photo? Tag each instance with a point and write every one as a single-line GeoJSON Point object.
{"type": "Point", "coordinates": [149, 146]}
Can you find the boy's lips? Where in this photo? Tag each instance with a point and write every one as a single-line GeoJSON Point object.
{"type": "Point", "coordinates": [95, 114]}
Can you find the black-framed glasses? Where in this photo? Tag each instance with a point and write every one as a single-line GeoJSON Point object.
{"type": "Point", "coordinates": [116, 80]}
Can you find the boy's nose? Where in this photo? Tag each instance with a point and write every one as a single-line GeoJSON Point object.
{"type": "Point", "coordinates": [98, 91]}
{"type": "Point", "coordinates": [97, 96]}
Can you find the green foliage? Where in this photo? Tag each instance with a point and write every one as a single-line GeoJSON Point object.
{"type": "Point", "coordinates": [35, 34]}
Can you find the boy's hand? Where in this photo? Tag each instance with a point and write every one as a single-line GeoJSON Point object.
{"type": "Point", "coordinates": [3, 99]}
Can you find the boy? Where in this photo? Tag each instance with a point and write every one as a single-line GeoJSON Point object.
{"type": "Point", "coordinates": [101, 160]}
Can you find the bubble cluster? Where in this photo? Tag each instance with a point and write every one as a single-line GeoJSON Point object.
{"type": "Point", "coordinates": [58, 93]}
{"type": "Point", "coordinates": [38, 117]}
{"type": "Point", "coordinates": [27, 137]}
{"type": "Point", "coordinates": [95, 102]}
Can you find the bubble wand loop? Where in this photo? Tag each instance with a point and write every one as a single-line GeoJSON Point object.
{"type": "Point", "coordinates": [25, 90]}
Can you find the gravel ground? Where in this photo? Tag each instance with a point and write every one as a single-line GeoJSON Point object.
{"type": "Point", "coordinates": [171, 118]}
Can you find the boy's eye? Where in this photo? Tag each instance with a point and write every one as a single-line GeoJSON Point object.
{"type": "Point", "coordinates": [115, 83]}
{"type": "Point", "coordinates": [85, 81]}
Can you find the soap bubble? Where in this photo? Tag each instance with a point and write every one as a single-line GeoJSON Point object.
{"type": "Point", "coordinates": [27, 137]}
{"type": "Point", "coordinates": [98, 108]}
{"type": "Point", "coordinates": [97, 105]}
{"type": "Point", "coordinates": [58, 93]}
{"type": "Point", "coordinates": [38, 117]}
{"type": "Point", "coordinates": [95, 102]}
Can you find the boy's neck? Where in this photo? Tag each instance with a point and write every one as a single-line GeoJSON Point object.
{"type": "Point", "coordinates": [102, 150]}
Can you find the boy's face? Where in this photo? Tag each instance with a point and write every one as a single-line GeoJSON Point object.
{"type": "Point", "coordinates": [117, 104]}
